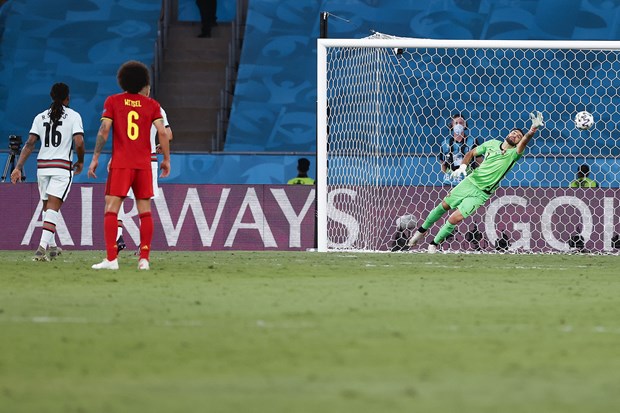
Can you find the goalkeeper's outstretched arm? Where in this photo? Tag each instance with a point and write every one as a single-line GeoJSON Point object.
{"type": "Point", "coordinates": [537, 121]}
{"type": "Point", "coordinates": [525, 140]}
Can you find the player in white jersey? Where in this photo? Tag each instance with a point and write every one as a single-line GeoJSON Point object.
{"type": "Point", "coordinates": [120, 242]}
{"type": "Point", "coordinates": [58, 128]}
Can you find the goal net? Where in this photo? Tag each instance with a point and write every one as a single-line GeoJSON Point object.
{"type": "Point", "coordinates": [384, 117]}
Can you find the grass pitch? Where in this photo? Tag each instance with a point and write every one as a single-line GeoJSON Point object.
{"type": "Point", "coordinates": [310, 332]}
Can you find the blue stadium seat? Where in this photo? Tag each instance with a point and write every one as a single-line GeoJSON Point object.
{"type": "Point", "coordinates": [275, 97]}
{"type": "Point", "coordinates": [79, 42]}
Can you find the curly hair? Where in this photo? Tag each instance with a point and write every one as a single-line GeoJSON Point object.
{"type": "Point", "coordinates": [133, 76]}
{"type": "Point", "coordinates": [58, 93]}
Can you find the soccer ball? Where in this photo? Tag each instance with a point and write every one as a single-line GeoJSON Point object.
{"type": "Point", "coordinates": [406, 222]}
{"type": "Point", "coordinates": [584, 120]}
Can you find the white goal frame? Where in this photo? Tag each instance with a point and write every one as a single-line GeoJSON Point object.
{"type": "Point", "coordinates": [323, 45]}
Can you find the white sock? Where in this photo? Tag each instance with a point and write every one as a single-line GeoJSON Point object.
{"type": "Point", "coordinates": [52, 242]}
{"type": "Point", "coordinates": [47, 236]}
{"type": "Point", "coordinates": [119, 232]}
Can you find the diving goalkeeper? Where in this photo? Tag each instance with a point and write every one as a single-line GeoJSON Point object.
{"type": "Point", "coordinates": [477, 188]}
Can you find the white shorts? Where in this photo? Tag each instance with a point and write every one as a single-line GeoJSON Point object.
{"type": "Point", "coordinates": [154, 170]}
{"type": "Point", "coordinates": [54, 185]}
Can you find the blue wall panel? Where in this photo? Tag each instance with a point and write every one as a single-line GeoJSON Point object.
{"type": "Point", "coordinates": [534, 171]}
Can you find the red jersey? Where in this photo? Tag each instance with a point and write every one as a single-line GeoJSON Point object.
{"type": "Point", "coordinates": [132, 116]}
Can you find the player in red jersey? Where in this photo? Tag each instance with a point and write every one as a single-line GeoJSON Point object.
{"type": "Point", "coordinates": [130, 115]}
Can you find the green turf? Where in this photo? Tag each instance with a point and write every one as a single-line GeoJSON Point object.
{"type": "Point", "coordinates": [310, 332]}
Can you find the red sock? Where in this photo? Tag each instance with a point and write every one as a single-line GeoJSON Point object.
{"type": "Point", "coordinates": [109, 234]}
{"type": "Point", "coordinates": [146, 234]}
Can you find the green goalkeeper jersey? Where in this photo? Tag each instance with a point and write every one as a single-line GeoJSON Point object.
{"type": "Point", "coordinates": [496, 164]}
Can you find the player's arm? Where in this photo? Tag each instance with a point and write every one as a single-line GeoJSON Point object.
{"type": "Point", "coordinates": [102, 138]}
{"type": "Point", "coordinates": [526, 138]}
{"type": "Point", "coordinates": [478, 158]}
{"type": "Point", "coordinates": [469, 156]}
{"type": "Point", "coordinates": [16, 174]}
{"type": "Point", "coordinates": [78, 141]}
{"type": "Point", "coordinates": [165, 148]}
{"type": "Point", "coordinates": [462, 169]}
{"type": "Point", "coordinates": [168, 135]}
{"type": "Point", "coordinates": [537, 121]}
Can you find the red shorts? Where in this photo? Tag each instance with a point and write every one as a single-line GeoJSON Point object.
{"type": "Point", "coordinates": [121, 179]}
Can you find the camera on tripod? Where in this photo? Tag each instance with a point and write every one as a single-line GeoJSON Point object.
{"type": "Point", "coordinates": [15, 146]}
{"type": "Point", "coordinates": [15, 143]}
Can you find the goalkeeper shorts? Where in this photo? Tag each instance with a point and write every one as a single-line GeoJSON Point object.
{"type": "Point", "coordinates": [467, 197]}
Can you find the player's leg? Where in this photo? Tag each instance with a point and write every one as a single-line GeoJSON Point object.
{"type": "Point", "coordinates": [143, 190]}
{"type": "Point", "coordinates": [117, 185]}
{"type": "Point", "coordinates": [112, 205]}
{"type": "Point", "coordinates": [42, 182]}
{"type": "Point", "coordinates": [468, 205]}
{"type": "Point", "coordinates": [446, 229]}
{"type": "Point", "coordinates": [452, 200]}
{"type": "Point", "coordinates": [50, 220]}
{"type": "Point", "coordinates": [433, 217]}
{"type": "Point", "coordinates": [146, 232]}
{"type": "Point", "coordinates": [53, 190]}
{"type": "Point", "coordinates": [53, 249]}
{"type": "Point", "coordinates": [110, 219]}
{"type": "Point", "coordinates": [120, 241]}
{"type": "Point", "coordinates": [58, 189]}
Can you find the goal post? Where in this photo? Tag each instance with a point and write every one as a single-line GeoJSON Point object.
{"type": "Point", "coordinates": [383, 112]}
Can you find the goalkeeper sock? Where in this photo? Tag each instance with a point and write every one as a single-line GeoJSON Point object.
{"type": "Point", "coordinates": [434, 216]}
{"type": "Point", "coordinates": [443, 233]}
{"type": "Point", "coordinates": [146, 234]}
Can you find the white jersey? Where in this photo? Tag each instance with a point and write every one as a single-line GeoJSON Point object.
{"type": "Point", "coordinates": [56, 152]}
{"type": "Point", "coordinates": [154, 136]}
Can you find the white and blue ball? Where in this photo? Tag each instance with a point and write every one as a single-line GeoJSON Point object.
{"type": "Point", "coordinates": [584, 120]}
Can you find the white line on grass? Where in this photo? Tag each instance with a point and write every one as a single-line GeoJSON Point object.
{"type": "Point", "coordinates": [511, 328]}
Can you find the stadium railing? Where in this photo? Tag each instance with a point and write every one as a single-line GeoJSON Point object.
{"type": "Point", "coordinates": [160, 43]}
{"type": "Point", "coordinates": [234, 54]}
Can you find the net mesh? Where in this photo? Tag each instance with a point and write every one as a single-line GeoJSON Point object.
{"type": "Point", "coordinates": [389, 117]}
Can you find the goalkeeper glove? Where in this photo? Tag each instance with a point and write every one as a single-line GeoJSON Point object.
{"type": "Point", "coordinates": [462, 171]}
{"type": "Point", "coordinates": [537, 119]}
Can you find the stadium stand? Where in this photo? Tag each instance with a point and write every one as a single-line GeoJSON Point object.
{"type": "Point", "coordinates": [81, 43]}
{"type": "Point", "coordinates": [273, 109]}
{"type": "Point", "coordinates": [274, 105]}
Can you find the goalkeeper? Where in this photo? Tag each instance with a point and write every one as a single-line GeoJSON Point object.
{"type": "Point", "coordinates": [477, 188]}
